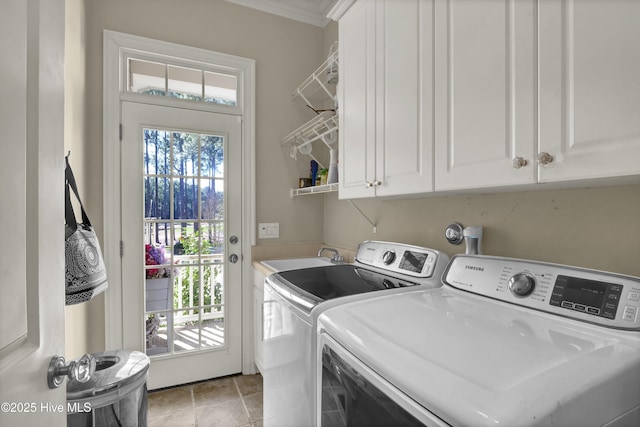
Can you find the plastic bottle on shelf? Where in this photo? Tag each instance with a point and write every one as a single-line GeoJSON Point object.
{"type": "Point", "coordinates": [314, 172]}
{"type": "Point", "coordinates": [323, 176]}
{"type": "Point", "coordinates": [332, 175]}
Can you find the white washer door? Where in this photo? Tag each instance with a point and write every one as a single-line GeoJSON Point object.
{"type": "Point", "coordinates": [474, 361]}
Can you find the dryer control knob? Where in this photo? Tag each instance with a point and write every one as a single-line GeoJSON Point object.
{"type": "Point", "coordinates": [522, 284]}
{"type": "Point", "coordinates": [388, 257]}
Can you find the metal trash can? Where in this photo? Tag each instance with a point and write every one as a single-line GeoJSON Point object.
{"type": "Point", "coordinates": [115, 395]}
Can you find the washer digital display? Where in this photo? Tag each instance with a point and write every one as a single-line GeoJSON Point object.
{"type": "Point", "coordinates": [588, 296]}
{"type": "Point", "coordinates": [413, 261]}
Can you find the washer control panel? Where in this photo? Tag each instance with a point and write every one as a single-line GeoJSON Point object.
{"type": "Point", "coordinates": [594, 296]}
{"type": "Point", "coordinates": [402, 259]}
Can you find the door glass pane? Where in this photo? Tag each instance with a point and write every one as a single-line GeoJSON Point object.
{"type": "Point", "coordinates": [184, 238]}
{"type": "Point", "coordinates": [212, 161]}
{"type": "Point", "coordinates": [184, 83]}
{"type": "Point", "coordinates": [146, 77]}
{"type": "Point", "coordinates": [220, 88]}
{"type": "Point", "coordinates": [194, 84]}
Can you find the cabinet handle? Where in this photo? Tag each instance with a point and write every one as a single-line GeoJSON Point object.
{"type": "Point", "coordinates": [377, 183]}
{"type": "Point", "coordinates": [545, 158]}
{"type": "Point", "coordinates": [519, 162]}
{"type": "Point", "coordinates": [369, 184]}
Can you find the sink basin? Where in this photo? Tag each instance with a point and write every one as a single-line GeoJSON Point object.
{"type": "Point", "coordinates": [296, 263]}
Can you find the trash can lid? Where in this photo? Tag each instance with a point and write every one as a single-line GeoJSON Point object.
{"type": "Point", "coordinates": [114, 369]}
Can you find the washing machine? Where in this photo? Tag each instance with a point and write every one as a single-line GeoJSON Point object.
{"type": "Point", "coordinates": [294, 299]}
{"type": "Point", "coordinates": [504, 342]}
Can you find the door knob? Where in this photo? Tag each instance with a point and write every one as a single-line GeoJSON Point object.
{"type": "Point", "coordinates": [233, 258]}
{"type": "Point", "coordinates": [80, 370]}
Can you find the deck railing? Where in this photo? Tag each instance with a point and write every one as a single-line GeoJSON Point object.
{"type": "Point", "coordinates": [193, 270]}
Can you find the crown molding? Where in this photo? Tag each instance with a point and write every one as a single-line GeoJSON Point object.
{"type": "Point", "coordinates": [312, 12]}
{"type": "Point", "coordinates": [339, 8]}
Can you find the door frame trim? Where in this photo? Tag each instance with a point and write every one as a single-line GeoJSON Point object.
{"type": "Point", "coordinates": [114, 43]}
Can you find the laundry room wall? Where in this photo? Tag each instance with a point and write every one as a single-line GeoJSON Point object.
{"type": "Point", "coordinates": [286, 52]}
{"type": "Point", "coordinates": [83, 322]}
{"type": "Point", "coordinates": [589, 227]}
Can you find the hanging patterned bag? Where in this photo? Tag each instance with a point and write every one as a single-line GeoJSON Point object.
{"type": "Point", "coordinates": [86, 275]}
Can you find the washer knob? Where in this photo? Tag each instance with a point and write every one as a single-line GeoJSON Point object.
{"type": "Point", "coordinates": [388, 257]}
{"type": "Point", "coordinates": [522, 284]}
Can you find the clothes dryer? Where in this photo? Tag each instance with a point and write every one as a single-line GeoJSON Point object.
{"type": "Point", "coordinates": [504, 342]}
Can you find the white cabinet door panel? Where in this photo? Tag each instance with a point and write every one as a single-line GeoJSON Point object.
{"type": "Point", "coordinates": [258, 315]}
{"type": "Point", "coordinates": [484, 93]}
{"type": "Point", "coordinates": [386, 98]}
{"type": "Point", "coordinates": [404, 51]}
{"type": "Point", "coordinates": [356, 102]}
{"type": "Point", "coordinates": [589, 89]}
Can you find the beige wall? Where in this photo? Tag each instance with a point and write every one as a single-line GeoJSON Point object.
{"type": "Point", "coordinates": [286, 52]}
{"type": "Point", "coordinates": [84, 324]}
{"type": "Point", "coordinates": [593, 228]}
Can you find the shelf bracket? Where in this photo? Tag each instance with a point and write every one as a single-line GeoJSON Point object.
{"type": "Point", "coordinates": [374, 225]}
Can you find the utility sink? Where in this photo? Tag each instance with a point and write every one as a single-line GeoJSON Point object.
{"type": "Point", "coordinates": [296, 263]}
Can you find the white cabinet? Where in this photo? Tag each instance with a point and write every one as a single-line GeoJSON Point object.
{"type": "Point", "coordinates": [589, 88]}
{"type": "Point", "coordinates": [385, 98]}
{"type": "Point", "coordinates": [258, 315]}
{"type": "Point", "coordinates": [485, 93]}
{"type": "Point", "coordinates": [509, 112]}
{"type": "Point", "coordinates": [503, 92]}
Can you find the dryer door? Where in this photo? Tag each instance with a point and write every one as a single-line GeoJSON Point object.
{"type": "Point", "coordinates": [351, 394]}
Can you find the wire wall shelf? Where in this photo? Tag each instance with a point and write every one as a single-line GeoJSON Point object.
{"type": "Point", "coordinates": [318, 91]}
{"type": "Point", "coordinates": [327, 188]}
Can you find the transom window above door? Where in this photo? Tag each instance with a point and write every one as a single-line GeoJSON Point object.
{"type": "Point", "coordinates": [157, 78]}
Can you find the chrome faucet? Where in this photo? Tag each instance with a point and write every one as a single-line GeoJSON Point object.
{"type": "Point", "coordinates": [336, 255]}
{"type": "Point", "coordinates": [473, 240]}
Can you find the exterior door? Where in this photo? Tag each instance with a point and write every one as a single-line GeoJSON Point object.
{"type": "Point", "coordinates": [31, 211]}
{"type": "Point", "coordinates": [181, 210]}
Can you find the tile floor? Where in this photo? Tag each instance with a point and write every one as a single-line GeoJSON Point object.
{"type": "Point", "coordinates": [234, 401]}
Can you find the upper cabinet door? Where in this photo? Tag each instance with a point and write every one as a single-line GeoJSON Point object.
{"type": "Point", "coordinates": [589, 88]}
{"type": "Point", "coordinates": [485, 93]}
{"type": "Point", "coordinates": [356, 101]}
{"type": "Point", "coordinates": [385, 98]}
{"type": "Point", "coordinates": [404, 119]}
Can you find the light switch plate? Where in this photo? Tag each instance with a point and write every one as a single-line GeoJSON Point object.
{"type": "Point", "coordinates": [268, 230]}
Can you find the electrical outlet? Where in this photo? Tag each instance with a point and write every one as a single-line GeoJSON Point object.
{"type": "Point", "coordinates": [268, 230]}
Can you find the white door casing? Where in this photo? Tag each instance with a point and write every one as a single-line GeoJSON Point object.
{"type": "Point", "coordinates": [114, 46]}
{"type": "Point", "coordinates": [180, 367]}
{"type": "Point", "coordinates": [32, 211]}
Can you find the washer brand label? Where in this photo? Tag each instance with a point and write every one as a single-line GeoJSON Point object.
{"type": "Point", "coordinates": [474, 268]}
